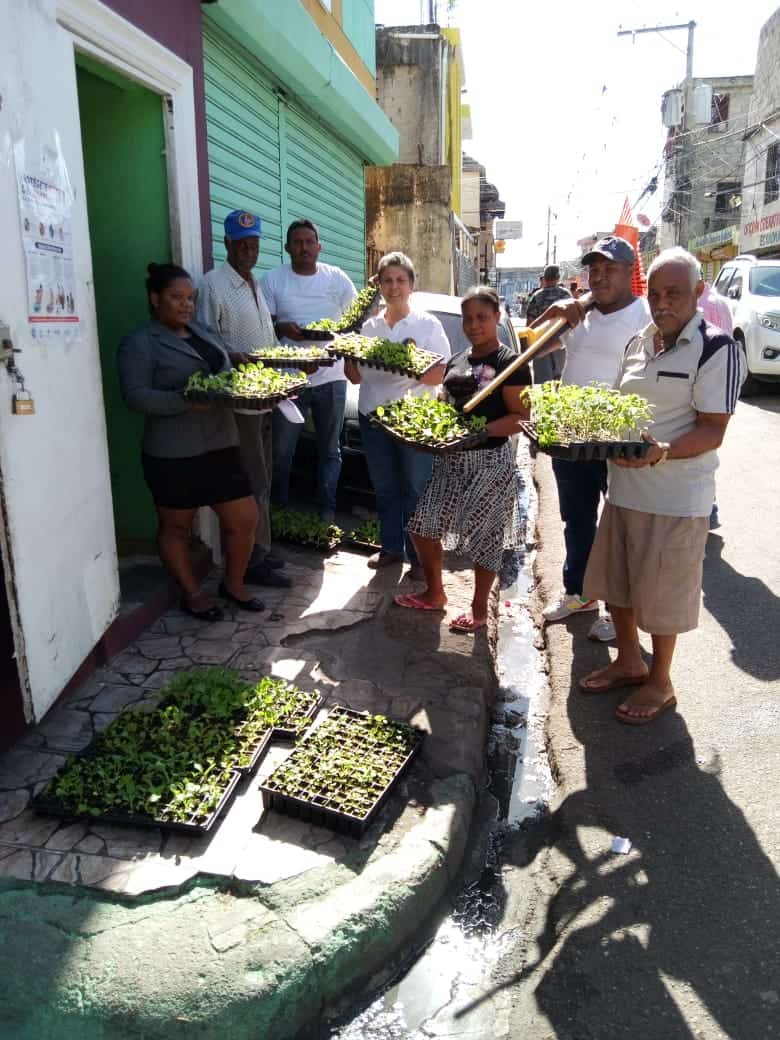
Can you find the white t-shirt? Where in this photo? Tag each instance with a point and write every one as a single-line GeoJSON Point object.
{"type": "Point", "coordinates": [304, 298]}
{"type": "Point", "coordinates": [380, 387]}
{"type": "Point", "coordinates": [594, 349]}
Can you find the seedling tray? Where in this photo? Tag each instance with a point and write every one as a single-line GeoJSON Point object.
{"type": "Point", "coordinates": [472, 440]}
{"type": "Point", "coordinates": [260, 404]}
{"type": "Point", "coordinates": [307, 365]}
{"type": "Point", "coordinates": [318, 335]}
{"type": "Point", "coordinates": [321, 808]}
{"type": "Point", "coordinates": [194, 827]}
{"type": "Point", "coordinates": [361, 546]}
{"type": "Point", "coordinates": [348, 355]}
{"type": "Point", "coordinates": [588, 451]}
{"type": "Point", "coordinates": [306, 715]}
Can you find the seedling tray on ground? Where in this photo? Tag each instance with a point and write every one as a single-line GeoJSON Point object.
{"type": "Point", "coordinates": [588, 451]}
{"type": "Point", "coordinates": [360, 545]}
{"type": "Point", "coordinates": [467, 443]}
{"type": "Point", "coordinates": [321, 807]}
{"type": "Point", "coordinates": [260, 404]}
{"type": "Point", "coordinates": [307, 365]}
{"type": "Point", "coordinates": [348, 355]}
{"type": "Point", "coordinates": [197, 825]}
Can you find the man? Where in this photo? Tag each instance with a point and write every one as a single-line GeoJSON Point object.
{"type": "Point", "coordinates": [550, 291]}
{"type": "Point", "coordinates": [299, 293]}
{"type": "Point", "coordinates": [593, 351]}
{"type": "Point", "coordinates": [648, 554]}
{"type": "Point", "coordinates": [230, 303]}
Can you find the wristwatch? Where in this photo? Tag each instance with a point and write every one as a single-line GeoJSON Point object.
{"type": "Point", "coordinates": [664, 453]}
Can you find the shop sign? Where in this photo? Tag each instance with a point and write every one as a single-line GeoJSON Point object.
{"type": "Point", "coordinates": [728, 236]}
{"type": "Point", "coordinates": [762, 233]}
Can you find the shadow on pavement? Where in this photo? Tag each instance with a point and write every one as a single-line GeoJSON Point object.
{"type": "Point", "coordinates": [745, 608]}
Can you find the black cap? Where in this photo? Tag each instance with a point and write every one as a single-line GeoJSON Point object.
{"type": "Point", "coordinates": [611, 248]}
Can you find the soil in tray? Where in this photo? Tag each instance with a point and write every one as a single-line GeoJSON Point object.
{"type": "Point", "coordinates": [343, 771]}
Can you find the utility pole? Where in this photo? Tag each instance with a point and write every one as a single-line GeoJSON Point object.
{"type": "Point", "coordinates": [683, 165]}
{"type": "Point", "coordinates": [547, 250]}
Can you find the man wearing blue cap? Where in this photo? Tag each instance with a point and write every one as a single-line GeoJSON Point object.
{"type": "Point", "coordinates": [594, 353]}
{"type": "Point", "coordinates": [230, 303]}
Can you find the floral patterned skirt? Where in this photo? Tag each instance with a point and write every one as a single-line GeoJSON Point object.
{"type": "Point", "coordinates": [472, 505]}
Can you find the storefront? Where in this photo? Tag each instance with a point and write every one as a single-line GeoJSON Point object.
{"type": "Point", "coordinates": [714, 249]}
{"type": "Point", "coordinates": [762, 235]}
{"type": "Point", "coordinates": [99, 150]}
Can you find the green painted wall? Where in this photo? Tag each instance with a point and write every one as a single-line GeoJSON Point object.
{"type": "Point", "coordinates": [127, 201]}
{"type": "Point", "coordinates": [357, 21]}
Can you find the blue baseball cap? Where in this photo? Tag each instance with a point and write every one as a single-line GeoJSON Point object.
{"type": "Point", "coordinates": [611, 248]}
{"type": "Point", "coordinates": [242, 224]}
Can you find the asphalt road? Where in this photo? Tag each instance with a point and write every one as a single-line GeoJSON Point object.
{"type": "Point", "coordinates": [680, 938]}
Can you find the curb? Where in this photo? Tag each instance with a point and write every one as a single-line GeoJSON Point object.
{"type": "Point", "coordinates": [255, 963]}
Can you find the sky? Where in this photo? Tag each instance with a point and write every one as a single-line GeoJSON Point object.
{"type": "Point", "coordinates": [566, 114]}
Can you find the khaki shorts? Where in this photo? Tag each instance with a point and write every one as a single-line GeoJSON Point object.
{"type": "Point", "coordinates": [650, 563]}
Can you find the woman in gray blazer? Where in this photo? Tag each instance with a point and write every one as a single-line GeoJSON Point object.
{"type": "Point", "coordinates": [190, 451]}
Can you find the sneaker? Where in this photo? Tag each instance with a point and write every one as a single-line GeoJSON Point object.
{"type": "Point", "coordinates": [384, 559]}
{"type": "Point", "coordinates": [568, 605]}
{"type": "Point", "coordinates": [602, 630]}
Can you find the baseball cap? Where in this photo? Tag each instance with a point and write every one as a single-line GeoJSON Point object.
{"type": "Point", "coordinates": [611, 248]}
{"type": "Point", "coordinates": [242, 224]}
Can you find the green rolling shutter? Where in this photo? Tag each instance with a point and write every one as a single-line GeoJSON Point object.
{"type": "Point", "coordinates": [271, 155]}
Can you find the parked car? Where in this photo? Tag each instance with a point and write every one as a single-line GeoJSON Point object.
{"type": "Point", "coordinates": [751, 288]}
{"type": "Point", "coordinates": [354, 473]}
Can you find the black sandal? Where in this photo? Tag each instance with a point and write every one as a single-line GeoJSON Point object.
{"type": "Point", "coordinates": [212, 613]}
{"type": "Point", "coordinates": [253, 603]}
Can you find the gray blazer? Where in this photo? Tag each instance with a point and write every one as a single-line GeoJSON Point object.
{"type": "Point", "coordinates": [154, 366]}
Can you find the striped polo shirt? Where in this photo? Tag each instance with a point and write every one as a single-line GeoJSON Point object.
{"type": "Point", "coordinates": [702, 372]}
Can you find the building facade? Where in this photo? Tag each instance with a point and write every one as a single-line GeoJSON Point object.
{"type": "Point", "coordinates": [760, 229]}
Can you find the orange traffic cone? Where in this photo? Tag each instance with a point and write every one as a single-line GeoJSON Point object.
{"type": "Point", "coordinates": [626, 229]}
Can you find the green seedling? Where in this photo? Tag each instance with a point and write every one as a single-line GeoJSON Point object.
{"type": "Point", "coordinates": [564, 413]}
{"type": "Point", "coordinates": [428, 421]}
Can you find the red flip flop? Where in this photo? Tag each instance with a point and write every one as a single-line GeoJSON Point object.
{"type": "Point", "coordinates": [466, 624]}
{"type": "Point", "coordinates": [412, 602]}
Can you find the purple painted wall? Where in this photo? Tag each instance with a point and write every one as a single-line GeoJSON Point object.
{"type": "Point", "coordinates": [176, 24]}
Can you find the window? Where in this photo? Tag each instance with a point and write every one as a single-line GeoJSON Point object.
{"type": "Point", "coordinates": [772, 182]}
{"type": "Point", "coordinates": [727, 196]}
{"type": "Point", "coordinates": [765, 281]}
{"type": "Point", "coordinates": [723, 280]}
{"type": "Point", "coordinates": [719, 112]}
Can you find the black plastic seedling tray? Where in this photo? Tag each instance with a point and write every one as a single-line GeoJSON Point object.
{"type": "Point", "coordinates": [307, 365]}
{"type": "Point", "coordinates": [194, 827]}
{"type": "Point", "coordinates": [318, 335]}
{"type": "Point", "coordinates": [360, 545]}
{"type": "Point", "coordinates": [467, 443]}
{"type": "Point", "coordinates": [588, 451]}
{"type": "Point", "coordinates": [260, 404]}
{"type": "Point", "coordinates": [379, 366]}
{"type": "Point", "coordinates": [318, 808]}
{"type": "Point", "coordinates": [306, 716]}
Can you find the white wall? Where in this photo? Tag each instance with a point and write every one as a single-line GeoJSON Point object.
{"type": "Point", "coordinates": [54, 465]}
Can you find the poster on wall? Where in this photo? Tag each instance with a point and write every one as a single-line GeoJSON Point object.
{"type": "Point", "coordinates": [45, 207]}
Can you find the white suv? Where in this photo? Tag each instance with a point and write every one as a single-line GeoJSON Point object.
{"type": "Point", "coordinates": [751, 288]}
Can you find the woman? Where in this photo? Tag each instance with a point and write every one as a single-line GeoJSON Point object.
{"type": "Point", "coordinates": [190, 451]}
{"type": "Point", "coordinates": [398, 472]}
{"type": "Point", "coordinates": [471, 504]}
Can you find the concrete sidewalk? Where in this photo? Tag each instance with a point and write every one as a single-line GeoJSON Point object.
{"type": "Point", "coordinates": [116, 933]}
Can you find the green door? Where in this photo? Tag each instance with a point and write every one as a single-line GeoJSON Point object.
{"type": "Point", "coordinates": [271, 155]}
{"type": "Point", "coordinates": [127, 202]}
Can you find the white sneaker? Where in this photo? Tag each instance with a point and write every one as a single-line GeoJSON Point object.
{"type": "Point", "coordinates": [568, 605]}
{"type": "Point", "coordinates": [602, 630]}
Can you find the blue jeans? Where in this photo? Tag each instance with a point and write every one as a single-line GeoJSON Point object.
{"type": "Point", "coordinates": [326, 404]}
{"type": "Point", "coordinates": [580, 487]}
{"type": "Point", "coordinates": [399, 474]}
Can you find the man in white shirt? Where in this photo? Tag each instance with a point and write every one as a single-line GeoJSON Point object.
{"type": "Point", "coordinates": [230, 303]}
{"type": "Point", "coordinates": [594, 352]}
{"type": "Point", "coordinates": [297, 294]}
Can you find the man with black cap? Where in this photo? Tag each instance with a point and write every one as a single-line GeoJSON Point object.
{"type": "Point", "coordinates": [594, 352]}
{"type": "Point", "coordinates": [230, 303]}
{"type": "Point", "coordinates": [551, 291]}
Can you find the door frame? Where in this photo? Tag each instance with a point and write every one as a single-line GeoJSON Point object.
{"type": "Point", "coordinates": [98, 31]}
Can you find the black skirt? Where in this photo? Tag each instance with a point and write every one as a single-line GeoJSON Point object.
{"type": "Point", "coordinates": [200, 480]}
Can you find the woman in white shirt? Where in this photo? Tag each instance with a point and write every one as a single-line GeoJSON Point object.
{"type": "Point", "coordinates": [399, 473]}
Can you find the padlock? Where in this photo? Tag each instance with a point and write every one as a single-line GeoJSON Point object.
{"type": "Point", "coordinates": [23, 405]}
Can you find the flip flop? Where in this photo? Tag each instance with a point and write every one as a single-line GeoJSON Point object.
{"type": "Point", "coordinates": [642, 720]}
{"type": "Point", "coordinates": [618, 683]}
{"type": "Point", "coordinates": [212, 613]}
{"type": "Point", "coordinates": [466, 624]}
{"type": "Point", "coordinates": [412, 602]}
{"type": "Point", "coordinates": [253, 603]}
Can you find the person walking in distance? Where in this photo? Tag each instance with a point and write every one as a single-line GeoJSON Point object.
{"type": "Point", "coordinates": [549, 365]}
{"type": "Point", "coordinates": [593, 353]}
{"type": "Point", "coordinates": [230, 303]}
